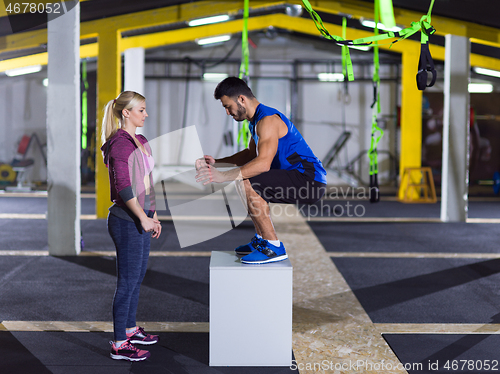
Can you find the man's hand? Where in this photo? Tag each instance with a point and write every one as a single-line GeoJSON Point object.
{"type": "Point", "coordinates": [204, 161]}
{"type": "Point", "coordinates": [209, 174]}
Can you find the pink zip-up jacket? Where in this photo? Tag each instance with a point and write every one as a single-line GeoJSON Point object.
{"type": "Point", "coordinates": [127, 170]}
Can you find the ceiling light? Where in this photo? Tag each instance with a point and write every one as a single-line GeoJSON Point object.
{"type": "Point", "coordinates": [360, 47]}
{"type": "Point", "coordinates": [23, 70]}
{"type": "Point", "coordinates": [491, 73]}
{"type": "Point", "coordinates": [480, 87]}
{"type": "Point", "coordinates": [45, 82]}
{"type": "Point", "coordinates": [380, 26]}
{"type": "Point", "coordinates": [214, 77]}
{"type": "Point", "coordinates": [215, 39]}
{"type": "Point", "coordinates": [208, 20]}
{"type": "Point", "coordinates": [331, 77]}
{"type": "Point", "coordinates": [294, 10]}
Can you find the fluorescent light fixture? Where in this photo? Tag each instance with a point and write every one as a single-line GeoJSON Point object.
{"type": "Point", "coordinates": [212, 40]}
{"type": "Point", "coordinates": [23, 70]}
{"type": "Point", "coordinates": [331, 77]}
{"type": "Point", "coordinates": [45, 82]}
{"type": "Point", "coordinates": [371, 24]}
{"type": "Point", "coordinates": [480, 87]}
{"type": "Point", "coordinates": [364, 48]}
{"type": "Point", "coordinates": [491, 73]}
{"type": "Point", "coordinates": [216, 77]}
{"type": "Point", "coordinates": [294, 10]}
{"type": "Point", "coordinates": [208, 20]}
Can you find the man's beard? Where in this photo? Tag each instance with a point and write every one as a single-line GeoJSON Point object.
{"type": "Point", "coordinates": [240, 113]}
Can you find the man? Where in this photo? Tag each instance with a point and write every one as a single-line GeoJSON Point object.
{"type": "Point", "coordinates": [277, 167]}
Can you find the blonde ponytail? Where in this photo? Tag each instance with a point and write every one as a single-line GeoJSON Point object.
{"type": "Point", "coordinates": [109, 122]}
{"type": "Point", "coordinates": [113, 117]}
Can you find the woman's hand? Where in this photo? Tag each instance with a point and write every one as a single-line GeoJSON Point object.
{"type": "Point", "coordinates": [157, 229]}
{"type": "Point", "coordinates": [150, 225]}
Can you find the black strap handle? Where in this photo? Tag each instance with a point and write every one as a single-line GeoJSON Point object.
{"type": "Point", "coordinates": [425, 64]}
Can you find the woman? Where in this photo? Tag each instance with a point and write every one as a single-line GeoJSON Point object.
{"type": "Point", "coordinates": [132, 219]}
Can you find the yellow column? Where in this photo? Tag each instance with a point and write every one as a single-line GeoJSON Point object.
{"type": "Point", "coordinates": [411, 113]}
{"type": "Point", "coordinates": [108, 87]}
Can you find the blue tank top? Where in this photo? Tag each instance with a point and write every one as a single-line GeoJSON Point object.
{"type": "Point", "coordinates": [293, 152]}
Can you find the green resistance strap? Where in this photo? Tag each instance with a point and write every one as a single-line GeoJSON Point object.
{"type": "Point", "coordinates": [84, 104]}
{"type": "Point", "coordinates": [387, 13]}
{"type": "Point", "coordinates": [376, 131]}
{"type": "Point", "coordinates": [423, 25]}
{"type": "Point", "coordinates": [346, 57]}
{"type": "Point", "coordinates": [244, 133]}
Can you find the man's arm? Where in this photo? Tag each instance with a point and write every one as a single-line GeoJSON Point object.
{"type": "Point", "coordinates": [240, 158]}
{"type": "Point", "coordinates": [268, 130]}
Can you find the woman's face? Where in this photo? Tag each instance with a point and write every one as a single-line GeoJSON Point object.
{"type": "Point", "coordinates": [137, 115]}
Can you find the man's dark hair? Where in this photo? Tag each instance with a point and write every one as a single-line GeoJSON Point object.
{"type": "Point", "coordinates": [232, 87]}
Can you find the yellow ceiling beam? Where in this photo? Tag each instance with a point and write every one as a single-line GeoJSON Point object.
{"type": "Point", "coordinates": [193, 33]}
{"type": "Point", "coordinates": [172, 14]}
{"type": "Point", "coordinates": [256, 23]}
{"type": "Point", "coordinates": [86, 51]}
{"type": "Point", "coordinates": [138, 20]}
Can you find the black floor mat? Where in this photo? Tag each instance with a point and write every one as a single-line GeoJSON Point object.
{"type": "Point", "coordinates": [407, 237]}
{"type": "Point", "coordinates": [425, 290]}
{"type": "Point", "coordinates": [446, 353]}
{"type": "Point", "coordinates": [80, 288]}
{"type": "Point", "coordinates": [83, 353]}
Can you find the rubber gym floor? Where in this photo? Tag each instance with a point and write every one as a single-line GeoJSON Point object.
{"type": "Point", "coordinates": [377, 288]}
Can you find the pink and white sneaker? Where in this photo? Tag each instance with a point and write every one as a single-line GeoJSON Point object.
{"type": "Point", "coordinates": [138, 336]}
{"type": "Point", "coordinates": [128, 352]}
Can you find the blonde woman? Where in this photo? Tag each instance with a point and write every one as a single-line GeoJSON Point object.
{"type": "Point", "coordinates": [132, 219]}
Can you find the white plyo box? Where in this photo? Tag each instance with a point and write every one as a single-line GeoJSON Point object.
{"type": "Point", "coordinates": [250, 312]}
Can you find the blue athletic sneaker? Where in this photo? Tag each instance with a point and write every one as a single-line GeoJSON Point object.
{"type": "Point", "coordinates": [265, 252]}
{"type": "Point", "coordinates": [248, 248]}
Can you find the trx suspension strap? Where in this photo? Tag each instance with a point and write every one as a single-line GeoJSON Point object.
{"type": "Point", "coordinates": [387, 13]}
{"type": "Point", "coordinates": [345, 94]}
{"type": "Point", "coordinates": [243, 135]}
{"type": "Point", "coordinates": [339, 40]}
{"type": "Point", "coordinates": [425, 63]}
{"type": "Point", "coordinates": [376, 132]}
{"type": "Point", "coordinates": [85, 87]}
{"type": "Point", "coordinates": [423, 25]}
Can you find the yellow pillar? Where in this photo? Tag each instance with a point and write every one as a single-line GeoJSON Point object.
{"type": "Point", "coordinates": [411, 113]}
{"type": "Point", "coordinates": [108, 87]}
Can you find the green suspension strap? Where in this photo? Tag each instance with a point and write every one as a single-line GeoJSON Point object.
{"type": "Point", "coordinates": [339, 40]}
{"type": "Point", "coordinates": [244, 133]}
{"type": "Point", "coordinates": [346, 57]}
{"type": "Point", "coordinates": [84, 104]}
{"type": "Point", "coordinates": [376, 132]}
{"type": "Point", "coordinates": [387, 13]}
{"type": "Point", "coordinates": [423, 25]}
{"type": "Point", "coordinates": [345, 93]}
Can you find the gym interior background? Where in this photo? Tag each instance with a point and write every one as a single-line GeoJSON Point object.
{"type": "Point", "coordinates": [398, 261]}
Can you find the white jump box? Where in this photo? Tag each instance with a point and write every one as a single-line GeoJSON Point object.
{"type": "Point", "coordinates": [250, 312]}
